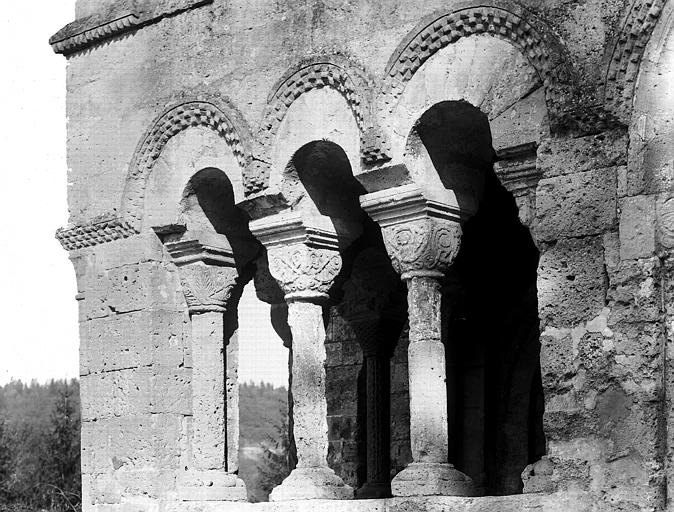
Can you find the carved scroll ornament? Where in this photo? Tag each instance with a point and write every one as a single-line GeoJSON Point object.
{"type": "Point", "coordinates": [422, 245]}
{"type": "Point", "coordinates": [302, 271]}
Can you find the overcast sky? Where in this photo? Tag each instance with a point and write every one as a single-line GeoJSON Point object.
{"type": "Point", "coordinates": [38, 311]}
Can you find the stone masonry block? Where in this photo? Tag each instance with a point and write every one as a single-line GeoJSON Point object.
{"type": "Point", "coordinates": [637, 227]}
{"type": "Point", "coordinates": [634, 291]}
{"type": "Point", "coordinates": [142, 248]}
{"type": "Point", "coordinates": [139, 338]}
{"type": "Point", "coordinates": [574, 205]}
{"type": "Point", "coordinates": [102, 489]}
{"type": "Point", "coordinates": [571, 281]}
{"type": "Point", "coordinates": [117, 393]}
{"type": "Point", "coordinates": [342, 389]}
{"type": "Point", "coordinates": [150, 441]}
{"type": "Point", "coordinates": [557, 356]}
{"type": "Point", "coordinates": [148, 482]}
{"type": "Point", "coordinates": [665, 221]}
{"type": "Point", "coordinates": [171, 391]}
{"type": "Point", "coordinates": [557, 157]}
{"type": "Point", "coordinates": [135, 287]}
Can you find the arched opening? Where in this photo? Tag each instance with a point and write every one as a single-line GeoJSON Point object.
{"type": "Point", "coordinates": [490, 316]}
{"type": "Point", "coordinates": [256, 359]}
{"type": "Point", "coordinates": [363, 319]}
{"type": "Point", "coordinates": [264, 441]}
{"type": "Point", "coordinates": [208, 205]}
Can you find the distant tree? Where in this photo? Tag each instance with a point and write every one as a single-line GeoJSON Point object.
{"type": "Point", "coordinates": [274, 466]}
{"type": "Point", "coordinates": [62, 476]}
{"type": "Point", "coordinates": [5, 461]}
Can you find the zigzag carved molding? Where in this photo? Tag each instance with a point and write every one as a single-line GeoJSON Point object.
{"type": "Point", "coordinates": [217, 115]}
{"type": "Point", "coordinates": [628, 51]}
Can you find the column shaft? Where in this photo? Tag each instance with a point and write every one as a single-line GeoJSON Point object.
{"type": "Point", "coordinates": [426, 367]}
{"type": "Point", "coordinates": [208, 392]}
{"type": "Point", "coordinates": [308, 384]}
{"type": "Point", "coordinates": [378, 421]}
{"type": "Point", "coordinates": [232, 402]}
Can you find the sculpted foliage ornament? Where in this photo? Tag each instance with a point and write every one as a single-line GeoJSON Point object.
{"type": "Point", "coordinates": [303, 271]}
{"type": "Point", "coordinates": [423, 245]}
{"type": "Point", "coordinates": [207, 288]}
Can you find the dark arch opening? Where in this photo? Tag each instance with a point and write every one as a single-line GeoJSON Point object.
{"type": "Point", "coordinates": [490, 311]}
{"type": "Point", "coordinates": [365, 316]}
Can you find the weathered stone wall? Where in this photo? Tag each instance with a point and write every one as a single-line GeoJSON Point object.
{"type": "Point", "coordinates": [135, 368]}
{"type": "Point", "coordinates": [582, 128]}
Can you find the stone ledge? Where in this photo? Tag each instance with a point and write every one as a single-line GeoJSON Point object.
{"type": "Point", "coordinates": [105, 229]}
{"type": "Point", "coordinates": [575, 501]}
{"type": "Point", "coordinates": [120, 18]}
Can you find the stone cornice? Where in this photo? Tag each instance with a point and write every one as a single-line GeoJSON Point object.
{"type": "Point", "coordinates": [121, 18]}
{"type": "Point", "coordinates": [97, 232]}
{"type": "Point", "coordinates": [292, 228]}
{"type": "Point", "coordinates": [404, 204]}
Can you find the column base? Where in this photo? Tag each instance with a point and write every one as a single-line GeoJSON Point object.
{"type": "Point", "coordinates": [370, 491]}
{"type": "Point", "coordinates": [312, 483]}
{"type": "Point", "coordinates": [432, 479]}
{"type": "Point", "coordinates": [211, 486]}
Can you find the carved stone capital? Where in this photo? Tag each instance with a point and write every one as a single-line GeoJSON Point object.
{"type": "Point", "coordinates": [304, 272]}
{"type": "Point", "coordinates": [207, 288]}
{"type": "Point", "coordinates": [303, 253]}
{"type": "Point", "coordinates": [207, 271]}
{"type": "Point", "coordinates": [422, 235]}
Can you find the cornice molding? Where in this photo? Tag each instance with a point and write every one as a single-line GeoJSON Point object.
{"type": "Point", "coordinates": [94, 29]}
{"type": "Point", "coordinates": [95, 233]}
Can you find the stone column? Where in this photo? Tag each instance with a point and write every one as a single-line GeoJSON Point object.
{"type": "Point", "coordinates": [373, 308]}
{"type": "Point", "coordinates": [208, 275]}
{"type": "Point", "coordinates": [376, 360]}
{"type": "Point", "coordinates": [422, 237]}
{"type": "Point", "coordinates": [305, 263]}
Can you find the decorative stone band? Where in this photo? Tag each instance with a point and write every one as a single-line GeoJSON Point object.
{"type": "Point", "coordinates": [207, 271]}
{"type": "Point", "coordinates": [93, 29]}
{"type": "Point", "coordinates": [629, 46]}
{"type": "Point", "coordinates": [303, 258]}
{"type": "Point", "coordinates": [88, 235]}
{"type": "Point", "coordinates": [422, 236]}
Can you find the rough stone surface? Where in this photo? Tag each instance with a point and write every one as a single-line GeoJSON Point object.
{"type": "Point", "coordinates": [533, 352]}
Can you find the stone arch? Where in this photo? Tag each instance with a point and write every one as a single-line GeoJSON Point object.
{"type": "Point", "coordinates": [503, 20]}
{"type": "Point", "coordinates": [215, 114]}
{"type": "Point", "coordinates": [335, 72]}
{"type": "Point", "coordinates": [649, 168]}
{"type": "Point", "coordinates": [628, 51]}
